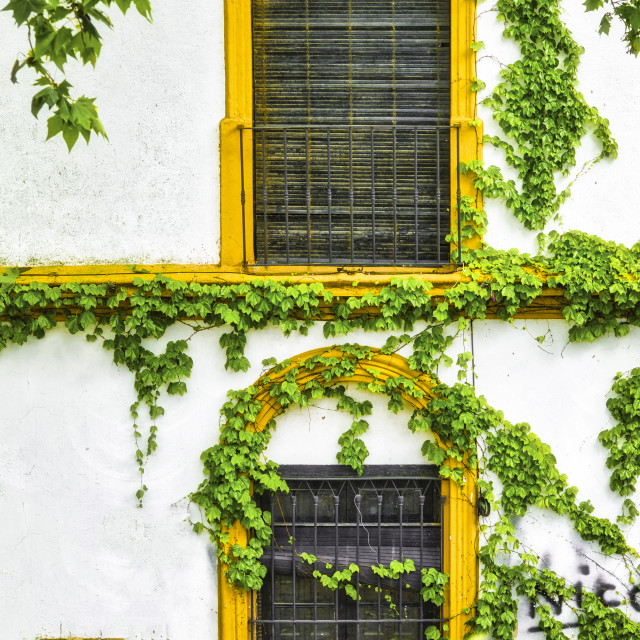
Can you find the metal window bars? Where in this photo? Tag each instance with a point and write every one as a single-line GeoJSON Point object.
{"type": "Point", "coordinates": [391, 513]}
{"type": "Point", "coordinates": [351, 195]}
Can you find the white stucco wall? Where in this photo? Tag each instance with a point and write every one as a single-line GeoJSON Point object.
{"type": "Point", "coordinates": [76, 555]}
{"type": "Point", "coordinates": [149, 195]}
{"type": "Point", "coordinates": [560, 389]}
{"type": "Point", "coordinates": [602, 198]}
{"type": "Point", "coordinates": [80, 559]}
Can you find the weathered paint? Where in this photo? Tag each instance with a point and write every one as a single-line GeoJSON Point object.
{"type": "Point", "coordinates": [78, 558]}
{"type": "Point", "coordinates": [148, 195]}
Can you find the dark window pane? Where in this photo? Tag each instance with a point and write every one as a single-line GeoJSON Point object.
{"type": "Point", "coordinates": [368, 531]}
{"type": "Point", "coordinates": [335, 179]}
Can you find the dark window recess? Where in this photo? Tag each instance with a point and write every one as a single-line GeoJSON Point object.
{"type": "Point", "coordinates": [390, 513]}
{"type": "Point", "coordinates": [351, 131]}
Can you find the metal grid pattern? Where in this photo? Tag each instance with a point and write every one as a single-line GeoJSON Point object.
{"type": "Point", "coordinates": [351, 135]}
{"type": "Point", "coordinates": [390, 513]}
{"type": "Point", "coordinates": [371, 195]}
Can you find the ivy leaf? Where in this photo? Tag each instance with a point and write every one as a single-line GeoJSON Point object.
{"type": "Point", "coordinates": [83, 112]}
{"type": "Point", "coordinates": [54, 126]}
{"type": "Point", "coordinates": [22, 9]}
{"type": "Point", "coordinates": [70, 135]}
{"type": "Point", "coordinates": [144, 8]}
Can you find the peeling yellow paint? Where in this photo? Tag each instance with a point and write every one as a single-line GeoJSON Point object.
{"type": "Point", "coordinates": [342, 283]}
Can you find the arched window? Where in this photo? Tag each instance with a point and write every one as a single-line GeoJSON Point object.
{"type": "Point", "coordinates": [451, 534]}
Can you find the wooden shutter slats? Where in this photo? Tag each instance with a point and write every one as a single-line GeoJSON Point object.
{"type": "Point", "coordinates": [334, 62]}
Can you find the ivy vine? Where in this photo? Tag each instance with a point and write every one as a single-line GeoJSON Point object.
{"type": "Point", "coordinates": [543, 118]}
{"type": "Point", "coordinates": [598, 279]}
{"type": "Point", "coordinates": [541, 112]}
{"type": "Point", "coordinates": [599, 283]}
{"type": "Point", "coordinates": [237, 471]}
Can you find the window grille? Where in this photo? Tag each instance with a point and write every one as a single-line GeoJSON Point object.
{"type": "Point", "coordinates": [389, 513]}
{"type": "Point", "coordinates": [351, 131]}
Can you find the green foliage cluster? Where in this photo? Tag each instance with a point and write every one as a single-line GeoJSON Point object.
{"type": "Point", "coordinates": [598, 279]}
{"type": "Point", "coordinates": [543, 117]}
{"type": "Point", "coordinates": [523, 465]}
{"type": "Point", "coordinates": [528, 477]}
{"type": "Point", "coordinates": [433, 583]}
{"type": "Point", "coordinates": [236, 469]}
{"type": "Point", "coordinates": [59, 30]}
{"type": "Point", "coordinates": [542, 114]}
{"type": "Point", "coordinates": [627, 11]}
{"type": "Point", "coordinates": [623, 439]}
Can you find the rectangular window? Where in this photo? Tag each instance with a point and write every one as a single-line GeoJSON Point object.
{"type": "Point", "coordinates": [389, 513]}
{"type": "Point", "coordinates": [351, 131]}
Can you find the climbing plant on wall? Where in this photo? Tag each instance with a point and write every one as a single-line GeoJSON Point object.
{"type": "Point", "coordinates": [598, 282]}
{"type": "Point", "coordinates": [524, 466]}
{"type": "Point", "coordinates": [543, 117]}
{"type": "Point", "coordinates": [60, 30]}
{"type": "Point", "coordinates": [541, 112]}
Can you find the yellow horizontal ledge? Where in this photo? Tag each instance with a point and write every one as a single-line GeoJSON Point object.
{"type": "Point", "coordinates": [343, 283]}
{"type": "Point", "coordinates": [214, 274]}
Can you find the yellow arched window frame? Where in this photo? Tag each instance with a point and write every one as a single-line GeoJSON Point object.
{"type": "Point", "coordinates": [460, 520]}
{"type": "Point", "coordinates": [239, 112]}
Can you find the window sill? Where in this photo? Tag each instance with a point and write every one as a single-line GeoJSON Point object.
{"type": "Point", "coordinates": [343, 281]}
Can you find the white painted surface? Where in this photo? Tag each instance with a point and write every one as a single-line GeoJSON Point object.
{"type": "Point", "coordinates": [601, 197]}
{"type": "Point", "coordinates": [150, 194]}
{"type": "Point", "coordinates": [76, 554]}
{"type": "Point", "coordinates": [560, 389]}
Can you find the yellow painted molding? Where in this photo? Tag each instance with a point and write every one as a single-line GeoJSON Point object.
{"type": "Point", "coordinates": [236, 185]}
{"type": "Point", "coordinates": [238, 53]}
{"type": "Point", "coordinates": [342, 283]}
{"type": "Point", "coordinates": [239, 112]}
{"type": "Point", "coordinates": [465, 138]}
{"type": "Point", "coordinates": [463, 33]}
{"type": "Point", "coordinates": [234, 605]}
{"type": "Point", "coordinates": [460, 553]}
{"type": "Point", "coordinates": [460, 526]}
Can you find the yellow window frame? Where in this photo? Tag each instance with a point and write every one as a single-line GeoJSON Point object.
{"type": "Point", "coordinates": [460, 519]}
{"type": "Point", "coordinates": [239, 112]}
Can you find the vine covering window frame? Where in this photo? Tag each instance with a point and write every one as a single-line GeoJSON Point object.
{"type": "Point", "coordinates": [239, 115]}
{"type": "Point", "coordinates": [459, 523]}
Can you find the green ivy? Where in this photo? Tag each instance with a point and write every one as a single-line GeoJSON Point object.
{"type": "Point", "coordinates": [542, 115]}
{"type": "Point", "coordinates": [597, 279]}
{"type": "Point", "coordinates": [623, 439]}
{"type": "Point", "coordinates": [523, 464]}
